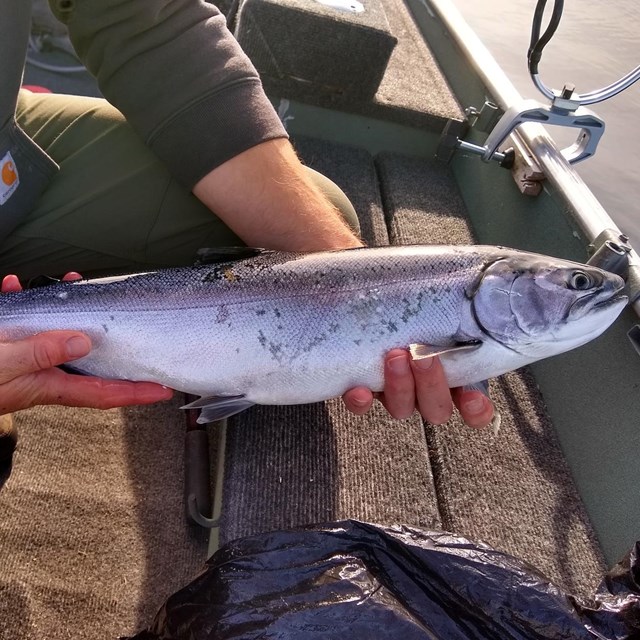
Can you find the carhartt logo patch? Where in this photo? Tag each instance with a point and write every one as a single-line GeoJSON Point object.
{"type": "Point", "coordinates": [9, 179]}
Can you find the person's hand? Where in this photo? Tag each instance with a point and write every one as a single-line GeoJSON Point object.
{"type": "Point", "coordinates": [29, 377]}
{"type": "Point", "coordinates": [421, 384]}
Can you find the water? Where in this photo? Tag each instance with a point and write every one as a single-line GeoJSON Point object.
{"type": "Point", "coordinates": [596, 44]}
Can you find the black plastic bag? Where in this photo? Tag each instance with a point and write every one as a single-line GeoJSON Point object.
{"type": "Point", "coordinates": [352, 580]}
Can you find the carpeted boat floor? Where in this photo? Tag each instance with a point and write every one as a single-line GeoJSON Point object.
{"type": "Point", "coordinates": [92, 533]}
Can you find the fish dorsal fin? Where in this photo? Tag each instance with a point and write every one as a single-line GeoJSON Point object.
{"type": "Point", "coordinates": [422, 351]}
{"type": "Point", "coordinates": [215, 408]}
{"type": "Point", "coordinates": [214, 255]}
{"type": "Point", "coordinates": [41, 281]}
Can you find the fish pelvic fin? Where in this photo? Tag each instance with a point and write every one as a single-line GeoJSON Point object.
{"type": "Point", "coordinates": [215, 408]}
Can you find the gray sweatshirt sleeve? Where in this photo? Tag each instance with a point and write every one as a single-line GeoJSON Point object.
{"type": "Point", "coordinates": [177, 74]}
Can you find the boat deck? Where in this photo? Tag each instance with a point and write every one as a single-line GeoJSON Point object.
{"type": "Point", "coordinates": [93, 535]}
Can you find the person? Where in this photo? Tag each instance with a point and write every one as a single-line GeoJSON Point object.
{"type": "Point", "coordinates": [191, 154]}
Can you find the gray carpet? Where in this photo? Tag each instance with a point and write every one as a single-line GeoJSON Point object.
{"type": "Point", "coordinates": [290, 466]}
{"type": "Point", "coordinates": [92, 532]}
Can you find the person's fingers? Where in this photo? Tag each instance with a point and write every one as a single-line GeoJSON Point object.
{"type": "Point", "coordinates": [71, 276]}
{"type": "Point", "coordinates": [358, 400]}
{"type": "Point", "coordinates": [54, 386]}
{"type": "Point", "coordinates": [86, 391]}
{"type": "Point", "coordinates": [475, 408]}
{"type": "Point", "coordinates": [399, 388]}
{"type": "Point", "coordinates": [433, 395]}
{"type": "Point", "coordinates": [41, 351]}
{"type": "Point", "coordinates": [11, 284]}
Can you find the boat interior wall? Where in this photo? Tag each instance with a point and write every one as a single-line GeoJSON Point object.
{"type": "Point", "coordinates": [373, 135]}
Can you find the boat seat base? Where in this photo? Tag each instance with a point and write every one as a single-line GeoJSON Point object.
{"type": "Point", "coordinates": [309, 42]}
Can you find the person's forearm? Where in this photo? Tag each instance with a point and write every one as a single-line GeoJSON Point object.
{"type": "Point", "coordinates": [267, 198]}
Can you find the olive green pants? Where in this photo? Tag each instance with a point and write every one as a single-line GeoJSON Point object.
{"type": "Point", "coordinates": [112, 207]}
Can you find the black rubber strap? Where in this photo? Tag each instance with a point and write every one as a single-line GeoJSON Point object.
{"type": "Point", "coordinates": [538, 43]}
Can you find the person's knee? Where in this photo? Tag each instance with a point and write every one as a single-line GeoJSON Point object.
{"type": "Point", "coordinates": [45, 116]}
{"type": "Point", "coordinates": [337, 197]}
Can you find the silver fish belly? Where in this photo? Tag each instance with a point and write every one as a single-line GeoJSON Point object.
{"type": "Point", "coordinates": [296, 328]}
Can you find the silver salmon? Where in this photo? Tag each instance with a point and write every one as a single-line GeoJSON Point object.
{"type": "Point", "coordinates": [286, 328]}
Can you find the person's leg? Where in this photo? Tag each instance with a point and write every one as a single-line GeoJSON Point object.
{"type": "Point", "coordinates": [113, 207]}
{"type": "Point", "coordinates": [8, 442]}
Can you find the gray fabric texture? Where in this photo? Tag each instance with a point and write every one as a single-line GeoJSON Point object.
{"type": "Point", "coordinates": [25, 170]}
{"type": "Point", "coordinates": [179, 77]}
{"type": "Point", "coordinates": [14, 33]}
{"type": "Point", "coordinates": [92, 531]}
{"type": "Point", "coordinates": [291, 466]}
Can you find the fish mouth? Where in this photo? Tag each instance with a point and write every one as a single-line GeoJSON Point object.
{"type": "Point", "coordinates": [583, 304]}
{"type": "Point", "coordinates": [606, 311]}
{"type": "Point", "coordinates": [614, 300]}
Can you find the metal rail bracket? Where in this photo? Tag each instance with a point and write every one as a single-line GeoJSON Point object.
{"type": "Point", "coordinates": [562, 112]}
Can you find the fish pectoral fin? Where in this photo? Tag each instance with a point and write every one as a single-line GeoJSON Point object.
{"type": "Point", "coordinates": [214, 255]}
{"type": "Point", "coordinates": [215, 408]}
{"type": "Point", "coordinates": [422, 351]}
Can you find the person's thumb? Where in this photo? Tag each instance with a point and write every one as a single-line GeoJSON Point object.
{"type": "Point", "coordinates": [41, 351]}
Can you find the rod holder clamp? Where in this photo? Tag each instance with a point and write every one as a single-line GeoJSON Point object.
{"type": "Point", "coordinates": [564, 112]}
{"type": "Point", "coordinates": [561, 113]}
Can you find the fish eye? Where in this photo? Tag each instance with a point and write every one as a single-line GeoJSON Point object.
{"type": "Point", "coordinates": [580, 281]}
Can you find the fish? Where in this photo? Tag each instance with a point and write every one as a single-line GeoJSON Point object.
{"type": "Point", "coordinates": [253, 326]}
